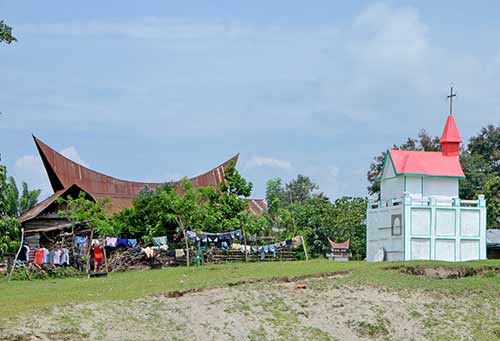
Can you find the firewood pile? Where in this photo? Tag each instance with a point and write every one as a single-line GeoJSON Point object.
{"type": "Point", "coordinates": [132, 259]}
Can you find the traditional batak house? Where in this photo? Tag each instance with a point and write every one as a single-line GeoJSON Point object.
{"type": "Point", "coordinates": [419, 215]}
{"type": "Point", "coordinates": [69, 178]}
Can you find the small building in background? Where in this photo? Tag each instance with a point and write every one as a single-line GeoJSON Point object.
{"type": "Point", "coordinates": [419, 215]}
{"type": "Point", "coordinates": [340, 251]}
{"type": "Point", "coordinates": [493, 244]}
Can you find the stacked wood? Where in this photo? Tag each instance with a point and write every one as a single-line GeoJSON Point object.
{"type": "Point", "coordinates": [130, 259]}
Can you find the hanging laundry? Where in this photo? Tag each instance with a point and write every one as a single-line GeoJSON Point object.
{"type": "Point", "coordinates": [179, 253]}
{"type": "Point", "coordinates": [246, 248]}
{"type": "Point", "coordinates": [50, 258]}
{"type": "Point", "coordinates": [31, 254]}
{"type": "Point", "coordinates": [110, 242]}
{"type": "Point", "coordinates": [272, 249]}
{"type": "Point", "coordinates": [98, 254]}
{"type": "Point", "coordinates": [121, 242]}
{"type": "Point", "coordinates": [45, 256]}
{"type": "Point", "coordinates": [65, 257]}
{"type": "Point", "coordinates": [159, 241]}
{"type": "Point", "coordinates": [57, 257]}
{"type": "Point", "coordinates": [38, 256]}
{"type": "Point", "coordinates": [24, 254]}
{"type": "Point", "coordinates": [149, 251]}
{"type": "Point", "coordinates": [132, 243]}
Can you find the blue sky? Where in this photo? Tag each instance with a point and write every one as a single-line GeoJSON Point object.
{"type": "Point", "coordinates": [157, 90]}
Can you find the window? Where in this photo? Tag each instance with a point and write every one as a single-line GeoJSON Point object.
{"type": "Point", "coordinates": [396, 225]}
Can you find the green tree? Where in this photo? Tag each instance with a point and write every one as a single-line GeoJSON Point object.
{"type": "Point", "coordinates": [274, 195]}
{"type": "Point", "coordinates": [9, 226]}
{"type": "Point", "coordinates": [6, 33]}
{"type": "Point", "coordinates": [477, 171]}
{"type": "Point", "coordinates": [492, 195]}
{"type": "Point", "coordinates": [487, 144]}
{"type": "Point", "coordinates": [17, 205]}
{"type": "Point", "coordinates": [424, 142]}
{"type": "Point", "coordinates": [83, 209]}
{"type": "Point", "coordinates": [10, 234]}
{"type": "Point", "coordinates": [319, 219]}
{"type": "Point", "coordinates": [299, 190]}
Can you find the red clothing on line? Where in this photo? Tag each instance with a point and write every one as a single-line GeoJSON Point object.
{"type": "Point", "coordinates": [98, 254]}
{"type": "Point", "coordinates": [39, 256]}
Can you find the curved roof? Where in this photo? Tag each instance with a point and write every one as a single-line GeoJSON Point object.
{"type": "Point", "coordinates": [64, 172]}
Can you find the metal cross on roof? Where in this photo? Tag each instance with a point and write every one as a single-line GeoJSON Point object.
{"type": "Point", "coordinates": [450, 96]}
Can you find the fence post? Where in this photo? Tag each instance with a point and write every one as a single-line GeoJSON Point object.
{"type": "Point", "coordinates": [17, 254]}
{"type": "Point", "coordinates": [304, 246]}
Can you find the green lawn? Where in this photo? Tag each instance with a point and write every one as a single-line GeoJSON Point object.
{"type": "Point", "coordinates": [17, 297]}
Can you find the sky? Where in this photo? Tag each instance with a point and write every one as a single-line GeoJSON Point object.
{"type": "Point", "coordinates": [158, 90]}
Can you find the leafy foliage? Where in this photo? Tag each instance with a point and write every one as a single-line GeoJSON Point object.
{"type": "Point", "coordinates": [9, 226]}
{"type": "Point", "coordinates": [84, 210]}
{"type": "Point", "coordinates": [17, 205]}
{"type": "Point", "coordinates": [492, 194]}
{"type": "Point", "coordinates": [10, 234]}
{"type": "Point", "coordinates": [320, 219]}
{"type": "Point", "coordinates": [314, 216]}
{"type": "Point", "coordinates": [6, 33]}
{"type": "Point", "coordinates": [477, 171]}
{"type": "Point", "coordinates": [487, 144]}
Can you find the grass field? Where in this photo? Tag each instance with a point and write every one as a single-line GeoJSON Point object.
{"type": "Point", "coordinates": [21, 298]}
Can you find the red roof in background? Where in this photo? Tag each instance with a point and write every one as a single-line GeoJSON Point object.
{"type": "Point", "coordinates": [343, 245]}
{"type": "Point", "coordinates": [425, 163]}
{"type": "Point", "coordinates": [450, 131]}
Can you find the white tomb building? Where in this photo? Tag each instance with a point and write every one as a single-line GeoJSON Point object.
{"type": "Point", "coordinates": [419, 215]}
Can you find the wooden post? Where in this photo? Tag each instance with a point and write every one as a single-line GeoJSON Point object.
{"type": "Point", "coordinates": [244, 241]}
{"type": "Point", "coordinates": [181, 224]}
{"type": "Point", "coordinates": [17, 254]}
{"type": "Point", "coordinates": [187, 248]}
{"type": "Point", "coordinates": [88, 251]}
{"type": "Point", "coordinates": [304, 246]}
{"type": "Point", "coordinates": [105, 258]}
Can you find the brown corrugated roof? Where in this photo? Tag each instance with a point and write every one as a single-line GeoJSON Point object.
{"type": "Point", "coordinates": [64, 172]}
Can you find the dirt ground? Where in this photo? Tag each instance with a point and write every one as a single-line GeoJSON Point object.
{"type": "Point", "coordinates": [325, 309]}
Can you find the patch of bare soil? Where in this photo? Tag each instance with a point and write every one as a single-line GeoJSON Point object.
{"type": "Point", "coordinates": [309, 308]}
{"type": "Point", "coordinates": [447, 272]}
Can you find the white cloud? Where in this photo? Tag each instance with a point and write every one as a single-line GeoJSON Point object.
{"type": "Point", "coordinates": [262, 161]}
{"type": "Point", "coordinates": [30, 168]}
{"type": "Point", "coordinates": [327, 178]}
{"type": "Point", "coordinates": [72, 154]}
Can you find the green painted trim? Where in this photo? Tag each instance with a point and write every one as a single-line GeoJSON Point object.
{"type": "Point", "coordinates": [404, 228]}
{"type": "Point", "coordinates": [404, 186]}
{"type": "Point", "coordinates": [432, 176]}
{"type": "Point", "coordinates": [422, 186]}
